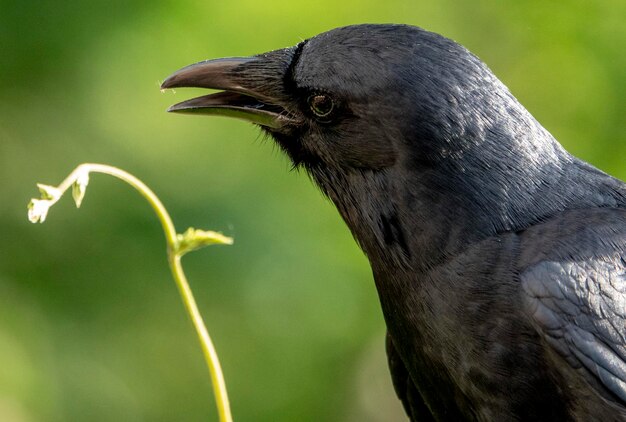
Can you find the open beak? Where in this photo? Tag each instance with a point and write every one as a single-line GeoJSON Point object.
{"type": "Point", "coordinates": [252, 88]}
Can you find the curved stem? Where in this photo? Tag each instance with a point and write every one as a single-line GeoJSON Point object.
{"type": "Point", "coordinates": [174, 257]}
{"type": "Point", "coordinates": [210, 354]}
{"type": "Point", "coordinates": [145, 191]}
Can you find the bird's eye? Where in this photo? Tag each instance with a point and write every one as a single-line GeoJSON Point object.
{"type": "Point", "coordinates": [321, 105]}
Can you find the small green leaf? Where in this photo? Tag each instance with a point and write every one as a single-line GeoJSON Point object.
{"type": "Point", "coordinates": [79, 187]}
{"type": "Point", "coordinates": [49, 192]}
{"type": "Point", "coordinates": [194, 239]}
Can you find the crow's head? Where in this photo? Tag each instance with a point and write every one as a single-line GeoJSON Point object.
{"type": "Point", "coordinates": [359, 97]}
{"type": "Point", "coordinates": [388, 119]}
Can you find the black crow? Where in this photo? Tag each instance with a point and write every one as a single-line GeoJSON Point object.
{"type": "Point", "coordinates": [499, 258]}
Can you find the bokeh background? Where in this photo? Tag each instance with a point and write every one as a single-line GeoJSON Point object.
{"type": "Point", "coordinates": [91, 325]}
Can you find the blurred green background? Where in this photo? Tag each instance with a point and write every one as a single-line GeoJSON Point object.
{"type": "Point", "coordinates": [91, 325]}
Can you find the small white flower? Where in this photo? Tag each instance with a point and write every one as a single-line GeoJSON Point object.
{"type": "Point", "coordinates": [38, 209]}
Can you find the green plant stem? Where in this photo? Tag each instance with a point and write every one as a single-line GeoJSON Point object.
{"type": "Point", "coordinates": [210, 354]}
{"type": "Point", "coordinates": [174, 260]}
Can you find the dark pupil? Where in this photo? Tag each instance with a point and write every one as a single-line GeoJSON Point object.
{"type": "Point", "coordinates": [321, 105]}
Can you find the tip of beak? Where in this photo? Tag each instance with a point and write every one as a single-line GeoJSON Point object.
{"type": "Point", "coordinates": [173, 109]}
{"type": "Point", "coordinates": [168, 83]}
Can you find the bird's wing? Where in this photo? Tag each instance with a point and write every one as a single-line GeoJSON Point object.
{"type": "Point", "coordinates": [406, 390]}
{"type": "Point", "coordinates": [575, 291]}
